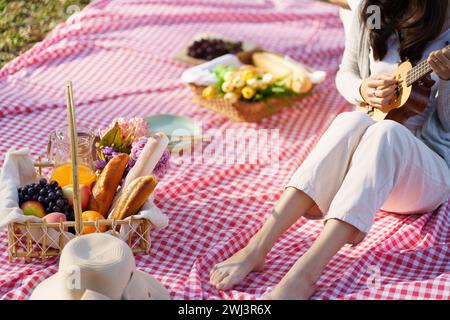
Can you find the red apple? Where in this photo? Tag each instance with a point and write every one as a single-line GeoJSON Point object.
{"type": "Point", "coordinates": [55, 217]}
{"type": "Point", "coordinates": [33, 208]}
{"type": "Point", "coordinates": [85, 195]}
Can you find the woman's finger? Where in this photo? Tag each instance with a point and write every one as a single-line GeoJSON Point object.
{"type": "Point", "coordinates": [443, 54]}
{"type": "Point", "coordinates": [441, 68]}
{"type": "Point", "coordinates": [386, 92]}
{"type": "Point", "coordinates": [442, 59]}
{"type": "Point", "coordinates": [438, 60]}
{"type": "Point", "coordinates": [380, 102]}
{"type": "Point", "coordinates": [446, 53]}
{"type": "Point", "coordinates": [384, 76]}
{"type": "Point", "coordinates": [381, 83]}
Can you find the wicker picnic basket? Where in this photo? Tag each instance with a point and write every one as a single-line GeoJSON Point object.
{"type": "Point", "coordinates": [241, 111]}
{"type": "Point", "coordinates": [43, 240]}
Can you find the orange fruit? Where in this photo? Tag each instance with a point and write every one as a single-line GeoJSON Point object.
{"type": "Point", "coordinates": [92, 216]}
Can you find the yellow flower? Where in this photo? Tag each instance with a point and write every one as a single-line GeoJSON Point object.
{"type": "Point", "coordinates": [252, 82]}
{"type": "Point", "coordinates": [228, 76]}
{"type": "Point", "coordinates": [209, 92]}
{"type": "Point", "coordinates": [238, 82]}
{"type": "Point", "coordinates": [227, 86]}
{"type": "Point", "coordinates": [261, 85]}
{"type": "Point", "coordinates": [248, 92]}
{"type": "Point", "coordinates": [231, 97]}
{"type": "Point", "coordinates": [247, 74]}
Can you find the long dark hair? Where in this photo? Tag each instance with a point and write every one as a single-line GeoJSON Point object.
{"type": "Point", "coordinates": [415, 21]}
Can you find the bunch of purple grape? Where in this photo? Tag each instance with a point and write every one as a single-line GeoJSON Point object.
{"type": "Point", "coordinates": [50, 195]}
{"type": "Point", "coordinates": [209, 49]}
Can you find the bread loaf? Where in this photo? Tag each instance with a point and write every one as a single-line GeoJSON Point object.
{"type": "Point", "coordinates": [148, 158]}
{"type": "Point", "coordinates": [133, 197]}
{"type": "Point", "coordinates": [293, 74]}
{"type": "Point", "coordinates": [105, 188]}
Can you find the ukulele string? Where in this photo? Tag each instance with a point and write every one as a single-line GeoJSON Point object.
{"type": "Point", "coordinates": [423, 68]}
{"type": "Point", "coordinates": [417, 72]}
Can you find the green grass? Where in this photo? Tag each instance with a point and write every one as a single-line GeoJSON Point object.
{"type": "Point", "coordinates": [25, 22]}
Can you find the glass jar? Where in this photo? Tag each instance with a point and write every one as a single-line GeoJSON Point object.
{"type": "Point", "coordinates": [59, 154]}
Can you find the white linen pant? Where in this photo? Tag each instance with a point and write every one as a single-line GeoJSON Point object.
{"type": "Point", "coordinates": [360, 166]}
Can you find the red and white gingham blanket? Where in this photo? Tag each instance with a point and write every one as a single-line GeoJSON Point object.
{"type": "Point", "coordinates": [118, 54]}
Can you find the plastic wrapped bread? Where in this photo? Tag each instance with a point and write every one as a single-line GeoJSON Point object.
{"type": "Point", "coordinates": [149, 157]}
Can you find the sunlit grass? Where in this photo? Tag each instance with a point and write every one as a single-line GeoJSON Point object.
{"type": "Point", "coordinates": [25, 22]}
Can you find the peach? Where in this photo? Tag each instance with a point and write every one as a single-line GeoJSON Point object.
{"type": "Point", "coordinates": [55, 217]}
{"type": "Point", "coordinates": [33, 208]}
{"type": "Point", "coordinates": [85, 195]}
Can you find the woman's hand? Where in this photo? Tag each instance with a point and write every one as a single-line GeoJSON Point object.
{"type": "Point", "coordinates": [440, 63]}
{"type": "Point", "coordinates": [379, 90]}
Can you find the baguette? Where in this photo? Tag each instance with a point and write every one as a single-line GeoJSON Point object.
{"type": "Point", "coordinates": [271, 63]}
{"type": "Point", "coordinates": [105, 188]}
{"type": "Point", "coordinates": [295, 74]}
{"type": "Point", "coordinates": [133, 197]}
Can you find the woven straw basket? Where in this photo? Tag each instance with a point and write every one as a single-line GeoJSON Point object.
{"type": "Point", "coordinates": [241, 111]}
{"type": "Point", "coordinates": [43, 240]}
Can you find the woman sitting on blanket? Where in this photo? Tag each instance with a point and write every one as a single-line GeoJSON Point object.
{"type": "Point", "coordinates": [360, 166]}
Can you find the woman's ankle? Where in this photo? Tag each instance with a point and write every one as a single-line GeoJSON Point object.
{"type": "Point", "coordinates": [257, 249]}
{"type": "Point", "coordinates": [306, 274]}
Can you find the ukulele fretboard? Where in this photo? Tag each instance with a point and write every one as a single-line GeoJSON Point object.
{"type": "Point", "coordinates": [419, 71]}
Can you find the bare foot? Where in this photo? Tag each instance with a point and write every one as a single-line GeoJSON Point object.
{"type": "Point", "coordinates": [232, 271]}
{"type": "Point", "coordinates": [295, 287]}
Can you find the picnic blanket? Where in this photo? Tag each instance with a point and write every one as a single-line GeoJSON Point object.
{"type": "Point", "coordinates": [118, 55]}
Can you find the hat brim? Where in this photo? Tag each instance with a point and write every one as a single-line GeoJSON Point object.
{"type": "Point", "coordinates": [49, 289]}
{"type": "Point", "coordinates": [142, 286]}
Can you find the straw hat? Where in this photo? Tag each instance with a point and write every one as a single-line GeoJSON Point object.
{"type": "Point", "coordinates": [99, 266]}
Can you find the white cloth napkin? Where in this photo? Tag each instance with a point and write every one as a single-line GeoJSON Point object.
{"type": "Point", "coordinates": [18, 170]}
{"type": "Point", "coordinates": [203, 75]}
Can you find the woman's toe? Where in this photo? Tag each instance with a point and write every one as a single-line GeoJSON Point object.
{"type": "Point", "coordinates": [220, 278]}
{"type": "Point", "coordinates": [214, 276]}
{"type": "Point", "coordinates": [219, 275]}
{"type": "Point", "coordinates": [225, 284]}
{"type": "Point", "coordinates": [213, 269]}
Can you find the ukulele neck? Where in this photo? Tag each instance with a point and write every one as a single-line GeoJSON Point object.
{"type": "Point", "coordinates": [418, 72]}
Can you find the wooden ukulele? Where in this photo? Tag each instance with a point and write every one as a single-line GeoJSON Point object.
{"type": "Point", "coordinates": [413, 93]}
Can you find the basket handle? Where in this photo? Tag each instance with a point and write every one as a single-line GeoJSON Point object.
{"type": "Point", "coordinates": [73, 139]}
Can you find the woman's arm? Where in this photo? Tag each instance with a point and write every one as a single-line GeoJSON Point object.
{"type": "Point", "coordinates": [377, 90]}
{"type": "Point", "coordinates": [440, 63]}
{"type": "Point", "coordinates": [348, 79]}
{"type": "Point", "coordinates": [443, 104]}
